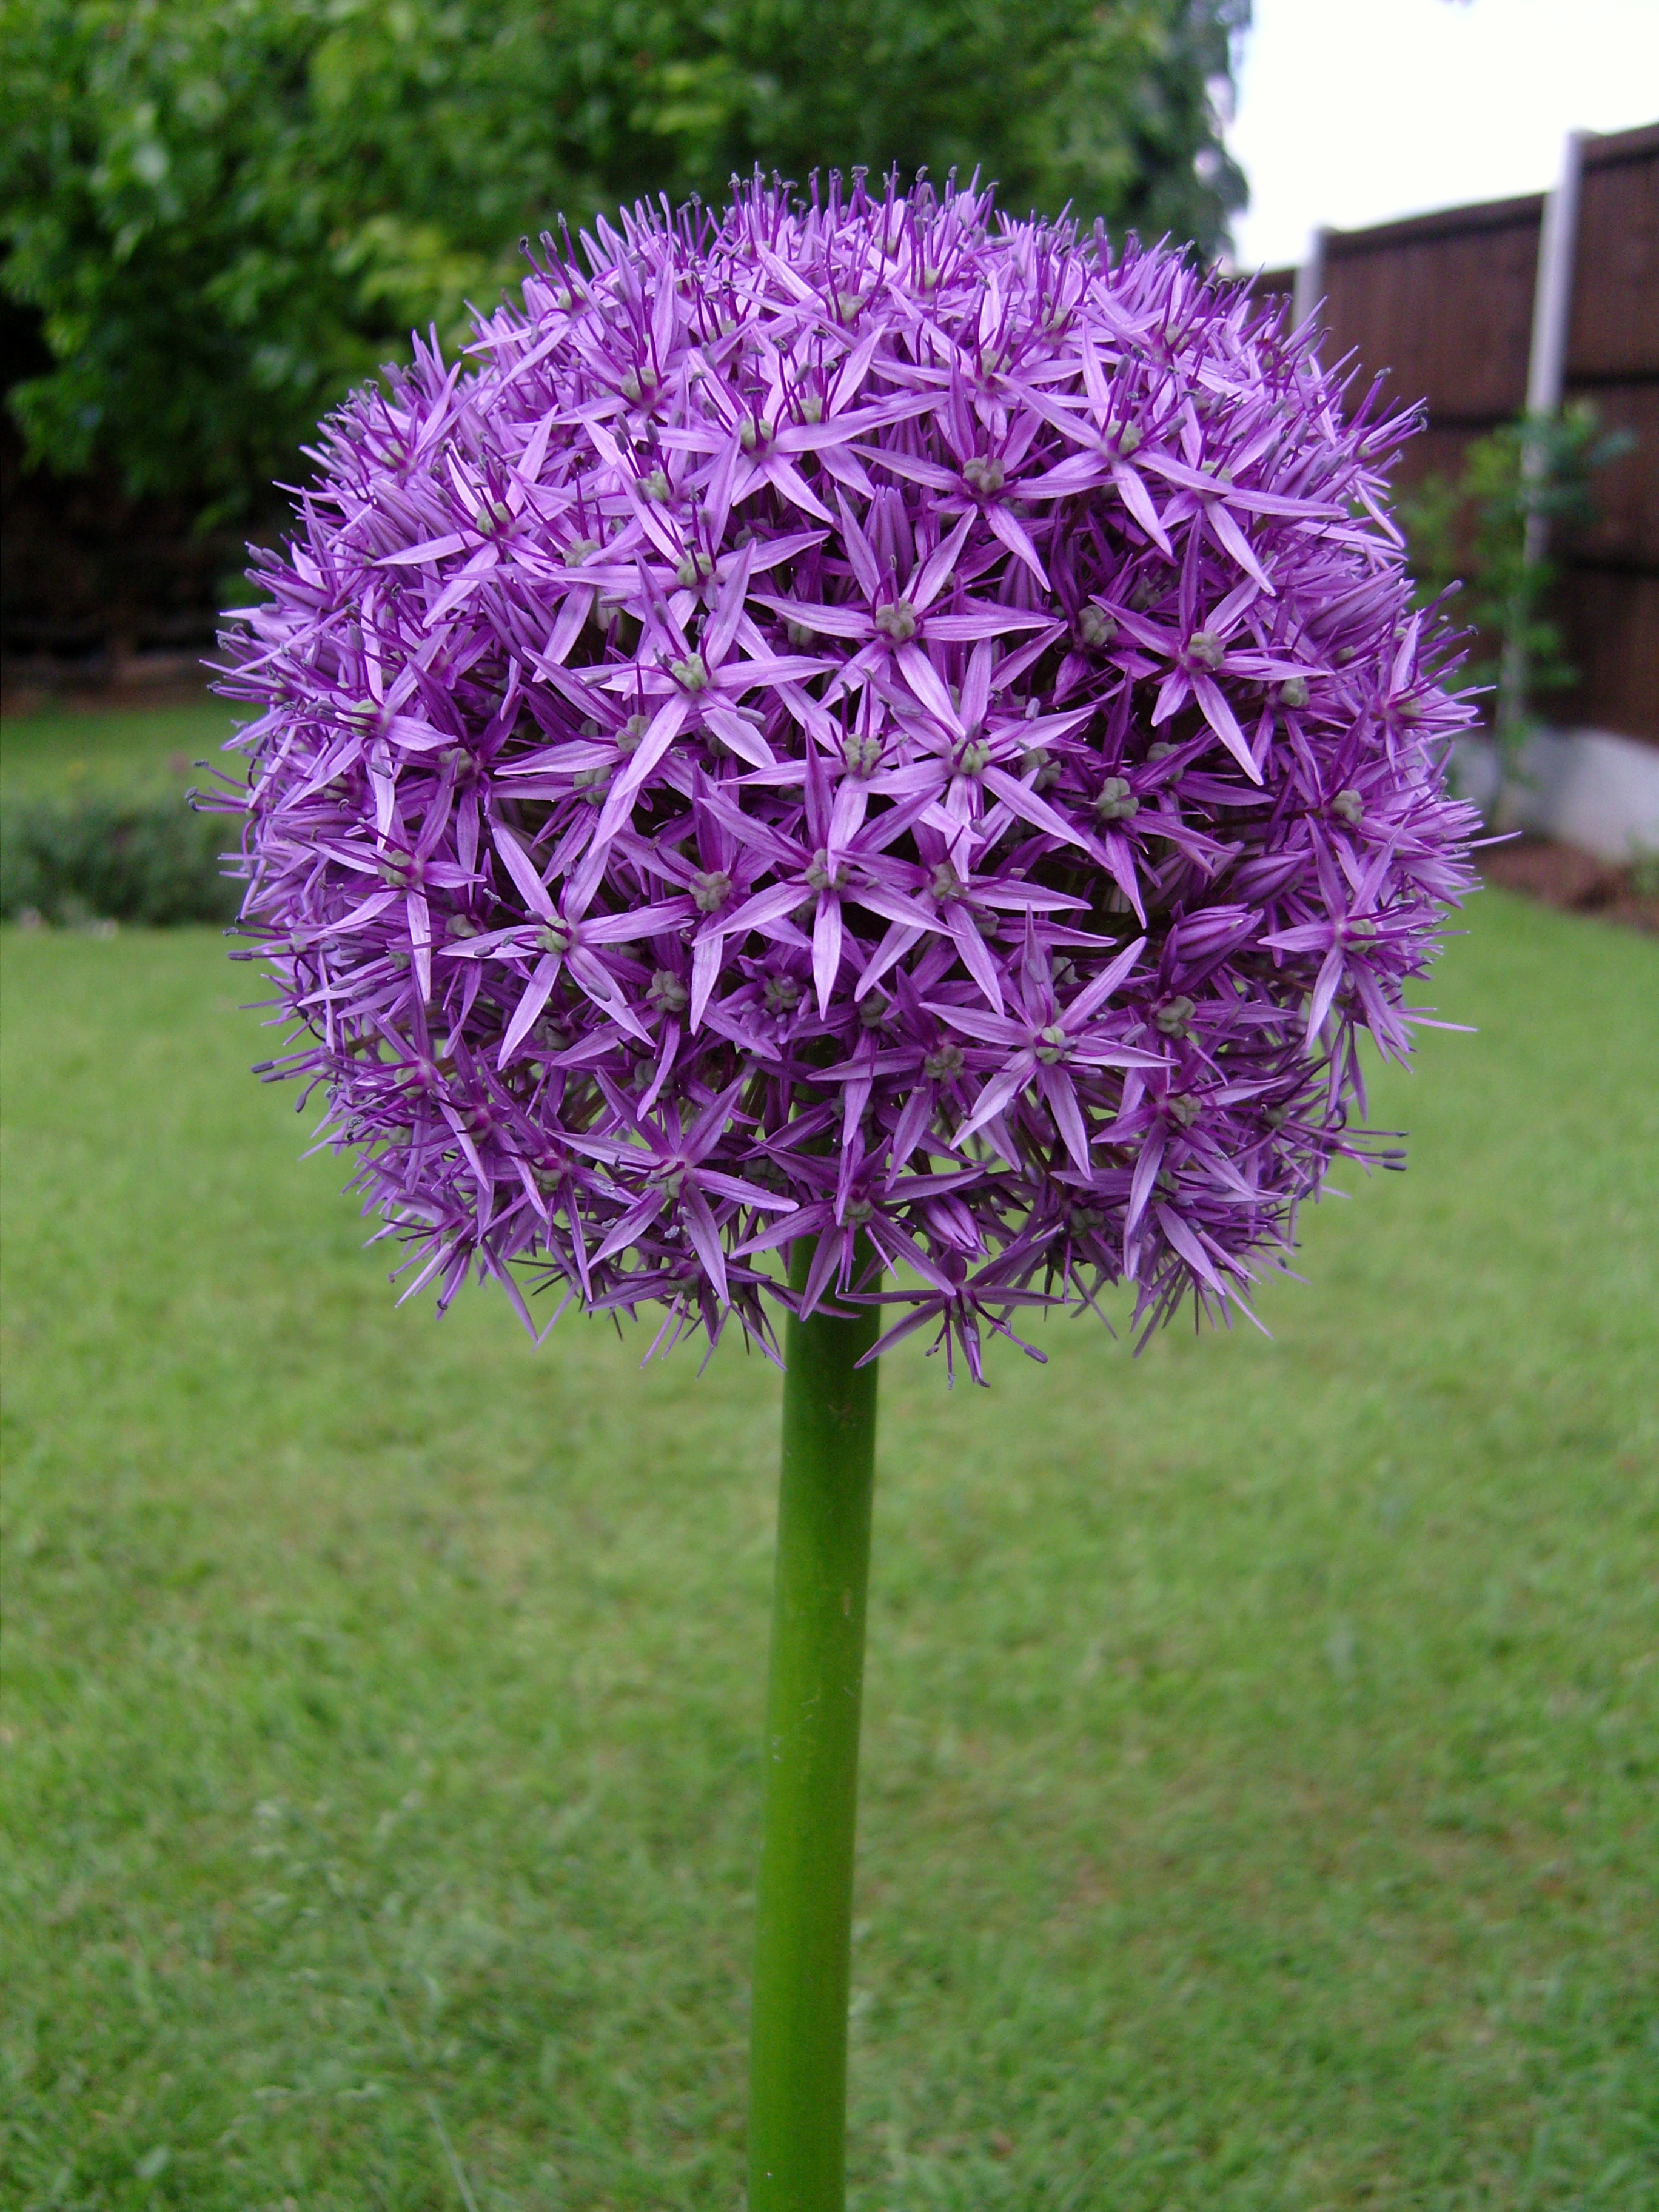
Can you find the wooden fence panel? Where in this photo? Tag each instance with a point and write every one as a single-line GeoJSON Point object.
{"type": "Point", "coordinates": [1613, 332]}
{"type": "Point", "coordinates": [1624, 532]}
{"type": "Point", "coordinates": [1608, 598]}
{"type": "Point", "coordinates": [1611, 620]}
{"type": "Point", "coordinates": [1442, 305]}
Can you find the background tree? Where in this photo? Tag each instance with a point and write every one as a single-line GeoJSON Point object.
{"type": "Point", "coordinates": [226, 212]}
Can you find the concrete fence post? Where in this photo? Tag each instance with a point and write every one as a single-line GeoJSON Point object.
{"type": "Point", "coordinates": [1310, 281]}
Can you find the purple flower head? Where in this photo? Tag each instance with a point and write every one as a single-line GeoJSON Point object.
{"type": "Point", "coordinates": [853, 720]}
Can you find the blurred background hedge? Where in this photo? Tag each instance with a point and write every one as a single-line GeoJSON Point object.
{"type": "Point", "coordinates": [95, 824]}
{"type": "Point", "coordinates": [111, 860]}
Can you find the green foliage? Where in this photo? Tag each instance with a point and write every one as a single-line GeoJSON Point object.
{"type": "Point", "coordinates": [230, 211]}
{"type": "Point", "coordinates": [94, 825]}
{"type": "Point", "coordinates": [1258, 1810]}
{"type": "Point", "coordinates": [1480, 529]}
{"type": "Point", "coordinates": [111, 860]}
{"type": "Point", "coordinates": [1106, 107]}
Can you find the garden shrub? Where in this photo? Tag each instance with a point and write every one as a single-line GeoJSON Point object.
{"type": "Point", "coordinates": [142, 860]}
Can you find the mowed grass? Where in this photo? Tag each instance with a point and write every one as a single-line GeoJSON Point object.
{"type": "Point", "coordinates": [1261, 1804]}
{"type": "Point", "coordinates": [63, 753]}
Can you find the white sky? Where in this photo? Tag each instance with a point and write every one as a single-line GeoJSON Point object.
{"type": "Point", "coordinates": [1350, 111]}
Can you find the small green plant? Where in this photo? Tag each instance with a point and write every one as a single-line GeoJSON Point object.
{"type": "Point", "coordinates": [1644, 871]}
{"type": "Point", "coordinates": [1486, 529]}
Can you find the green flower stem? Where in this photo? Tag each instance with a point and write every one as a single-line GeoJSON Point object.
{"type": "Point", "coordinates": [803, 1952]}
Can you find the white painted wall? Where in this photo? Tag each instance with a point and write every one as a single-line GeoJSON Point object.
{"type": "Point", "coordinates": [1588, 787]}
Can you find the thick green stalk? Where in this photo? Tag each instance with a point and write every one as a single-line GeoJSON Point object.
{"type": "Point", "coordinates": [803, 1952]}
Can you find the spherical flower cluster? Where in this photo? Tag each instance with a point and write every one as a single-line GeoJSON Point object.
{"type": "Point", "coordinates": [858, 719]}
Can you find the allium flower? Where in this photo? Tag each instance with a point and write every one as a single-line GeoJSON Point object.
{"type": "Point", "coordinates": [855, 719]}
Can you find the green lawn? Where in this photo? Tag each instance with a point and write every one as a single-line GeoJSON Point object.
{"type": "Point", "coordinates": [108, 751]}
{"type": "Point", "coordinates": [1261, 1803]}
